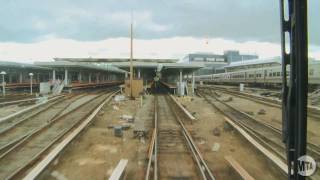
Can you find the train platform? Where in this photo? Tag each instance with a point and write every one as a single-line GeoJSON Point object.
{"type": "Point", "coordinates": [75, 86]}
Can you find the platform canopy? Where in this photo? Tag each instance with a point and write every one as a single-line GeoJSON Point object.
{"type": "Point", "coordinates": [167, 65]}
{"type": "Point", "coordinates": [15, 65]}
{"type": "Point", "coordinates": [84, 66]}
{"type": "Point", "coordinates": [108, 60]}
{"type": "Point", "coordinates": [186, 67]}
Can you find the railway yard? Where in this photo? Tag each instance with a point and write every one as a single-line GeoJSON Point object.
{"type": "Point", "coordinates": [219, 133]}
{"type": "Point", "coordinates": [181, 90]}
{"type": "Point", "coordinates": [86, 121]}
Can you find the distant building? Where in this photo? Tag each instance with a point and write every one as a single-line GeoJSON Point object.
{"type": "Point", "coordinates": [210, 62]}
{"type": "Point", "coordinates": [204, 57]}
{"type": "Point", "coordinates": [214, 63]}
{"type": "Point", "coordinates": [235, 56]}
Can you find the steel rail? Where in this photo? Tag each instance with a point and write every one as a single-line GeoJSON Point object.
{"type": "Point", "coordinates": [248, 130]}
{"type": "Point", "coordinates": [15, 97]}
{"type": "Point", "coordinates": [312, 148]}
{"type": "Point", "coordinates": [26, 110]}
{"type": "Point", "coordinates": [202, 165]}
{"type": "Point", "coordinates": [52, 155]}
{"type": "Point", "coordinates": [155, 174]}
{"type": "Point", "coordinates": [36, 133]}
{"type": "Point", "coordinates": [17, 120]}
{"type": "Point", "coordinates": [153, 147]}
{"type": "Point", "coordinates": [18, 101]}
{"type": "Point", "coordinates": [4, 148]}
{"type": "Point", "coordinates": [312, 112]}
{"type": "Point", "coordinates": [25, 137]}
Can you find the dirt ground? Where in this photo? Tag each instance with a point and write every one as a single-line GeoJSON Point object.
{"type": "Point", "coordinates": [96, 153]}
{"type": "Point", "coordinates": [227, 143]}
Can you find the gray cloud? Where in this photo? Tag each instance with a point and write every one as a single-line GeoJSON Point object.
{"type": "Point", "coordinates": [241, 20]}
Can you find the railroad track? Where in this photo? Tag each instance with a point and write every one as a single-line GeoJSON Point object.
{"type": "Point", "coordinates": [312, 112]}
{"type": "Point", "coordinates": [15, 97]}
{"type": "Point", "coordinates": [313, 145]}
{"type": "Point", "coordinates": [173, 153]}
{"type": "Point", "coordinates": [23, 155]}
{"type": "Point", "coordinates": [16, 129]}
{"type": "Point", "coordinates": [24, 101]}
{"type": "Point", "coordinates": [267, 135]}
{"type": "Point", "coordinates": [19, 102]}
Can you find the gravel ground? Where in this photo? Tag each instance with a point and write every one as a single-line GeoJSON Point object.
{"type": "Point", "coordinates": [274, 94]}
{"type": "Point", "coordinates": [272, 115]}
{"type": "Point", "coordinates": [227, 143]}
{"type": "Point", "coordinates": [97, 151]}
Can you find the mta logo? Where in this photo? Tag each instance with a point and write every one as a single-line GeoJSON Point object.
{"type": "Point", "coordinates": [306, 165]}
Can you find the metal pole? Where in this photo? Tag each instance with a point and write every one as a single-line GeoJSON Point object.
{"type": "Point", "coordinates": [180, 84]}
{"type": "Point", "coordinates": [3, 86]}
{"type": "Point", "coordinates": [66, 76]}
{"type": "Point", "coordinates": [294, 103]}
{"type": "Point", "coordinates": [53, 75]}
{"type": "Point", "coordinates": [80, 77]}
{"type": "Point", "coordinates": [20, 78]}
{"type": "Point", "coordinates": [97, 78]}
{"type": "Point", "coordinates": [131, 57]}
{"type": "Point", "coordinates": [31, 85]}
{"type": "Point", "coordinates": [180, 76]}
{"type": "Point", "coordinates": [193, 80]}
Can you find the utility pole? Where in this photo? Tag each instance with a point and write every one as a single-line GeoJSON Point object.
{"type": "Point", "coordinates": [295, 91]}
{"type": "Point", "coordinates": [131, 58]}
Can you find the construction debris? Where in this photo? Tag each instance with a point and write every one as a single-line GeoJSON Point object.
{"type": "Point", "coordinates": [118, 131]}
{"type": "Point", "coordinates": [123, 126]}
{"type": "Point", "coordinates": [250, 113]}
{"type": "Point", "coordinates": [127, 118]}
{"type": "Point", "coordinates": [215, 147]}
{"type": "Point", "coordinates": [228, 99]}
{"type": "Point", "coordinates": [119, 98]}
{"type": "Point", "coordinates": [265, 94]}
{"type": "Point", "coordinates": [216, 131]}
{"type": "Point", "coordinates": [115, 107]}
{"type": "Point", "coordinates": [262, 112]}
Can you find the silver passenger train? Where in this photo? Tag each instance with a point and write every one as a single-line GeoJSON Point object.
{"type": "Point", "coordinates": [267, 76]}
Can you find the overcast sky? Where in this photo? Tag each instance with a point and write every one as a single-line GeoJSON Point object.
{"type": "Point", "coordinates": [40, 30]}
